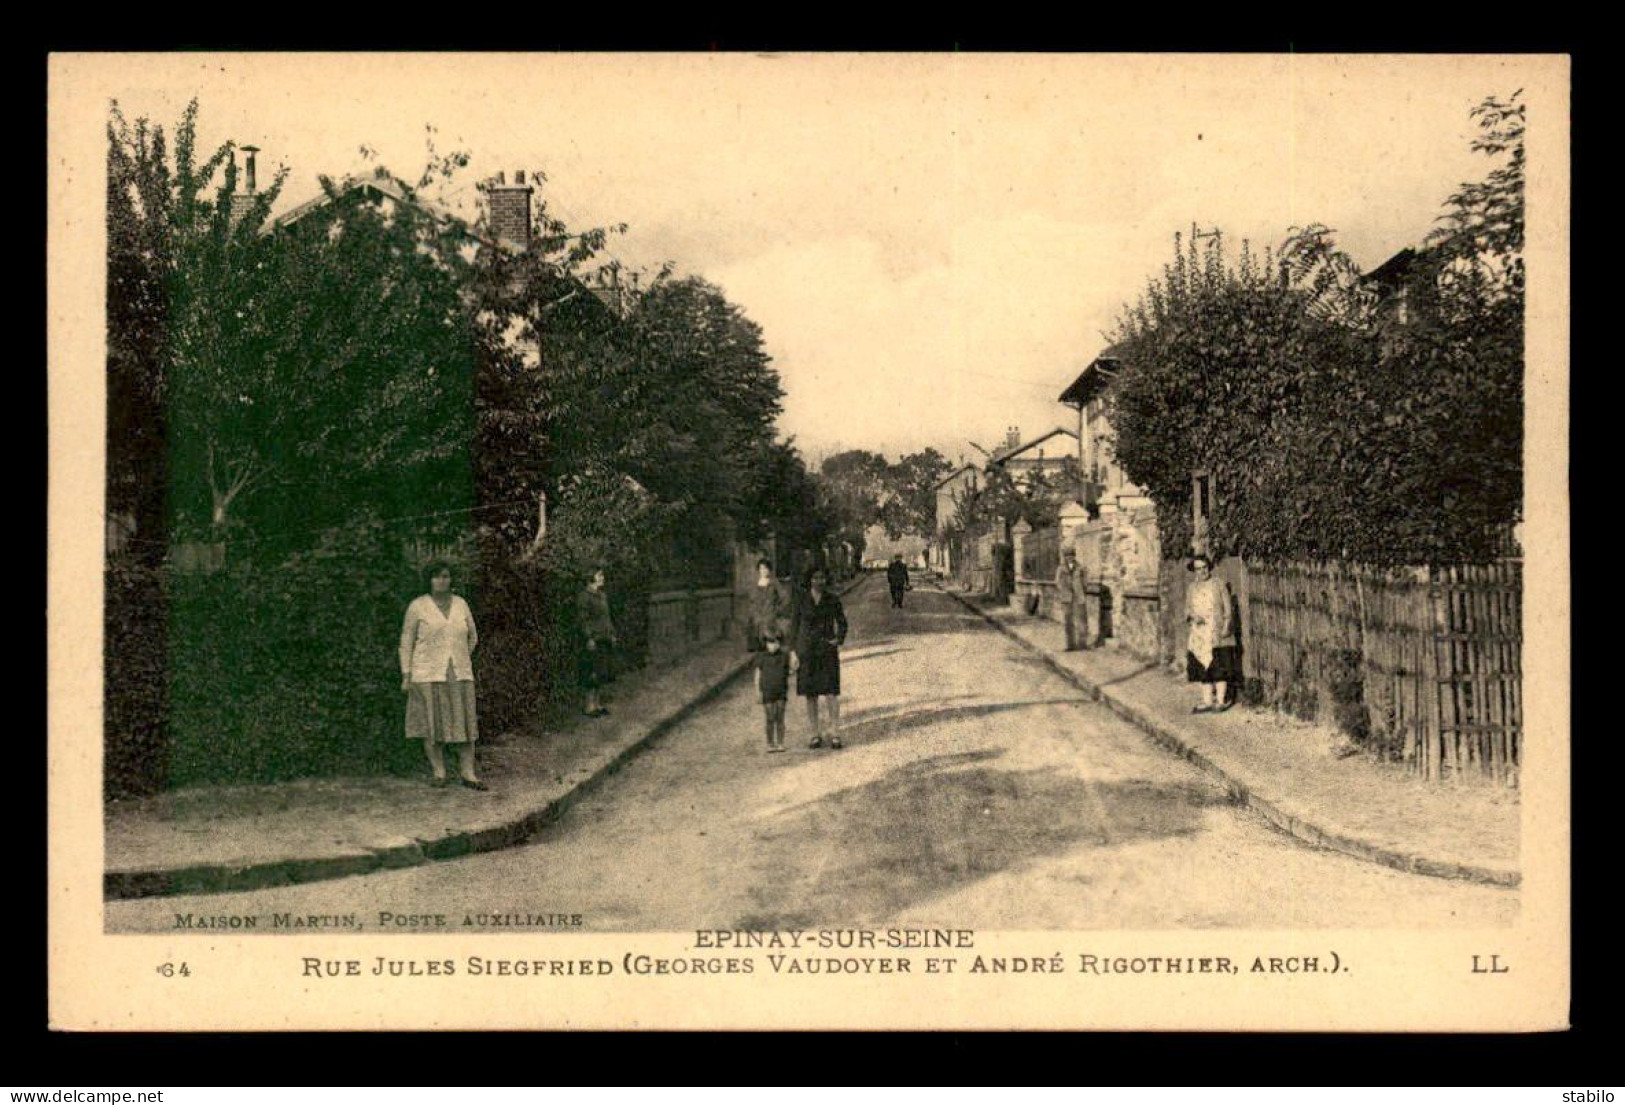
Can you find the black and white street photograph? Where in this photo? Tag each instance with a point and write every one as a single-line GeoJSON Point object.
{"type": "Point", "coordinates": [827, 509]}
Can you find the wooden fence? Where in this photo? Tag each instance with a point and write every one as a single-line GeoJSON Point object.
{"type": "Point", "coordinates": [681, 621]}
{"type": "Point", "coordinates": [1432, 656]}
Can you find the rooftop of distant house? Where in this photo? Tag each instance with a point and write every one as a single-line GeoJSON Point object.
{"type": "Point", "coordinates": [955, 474]}
{"type": "Point", "coordinates": [384, 185]}
{"type": "Point", "coordinates": [1094, 377]}
{"type": "Point", "coordinates": [1011, 451]}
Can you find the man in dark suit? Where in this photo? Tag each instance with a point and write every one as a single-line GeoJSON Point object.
{"type": "Point", "coordinates": [897, 579]}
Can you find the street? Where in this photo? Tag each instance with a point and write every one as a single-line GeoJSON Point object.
{"type": "Point", "coordinates": [977, 789]}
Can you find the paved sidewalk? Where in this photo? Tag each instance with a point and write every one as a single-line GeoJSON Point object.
{"type": "Point", "coordinates": [1290, 771]}
{"type": "Point", "coordinates": [219, 838]}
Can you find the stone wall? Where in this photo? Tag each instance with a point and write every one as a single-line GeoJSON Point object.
{"type": "Point", "coordinates": [1137, 623]}
{"type": "Point", "coordinates": [1119, 555]}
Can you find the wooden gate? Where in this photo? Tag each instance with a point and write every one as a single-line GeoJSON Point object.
{"type": "Point", "coordinates": [1040, 555]}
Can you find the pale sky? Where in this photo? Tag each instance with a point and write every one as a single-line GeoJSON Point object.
{"type": "Point", "coordinates": [932, 244]}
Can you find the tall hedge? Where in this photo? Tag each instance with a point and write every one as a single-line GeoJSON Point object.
{"type": "Point", "coordinates": [1338, 420]}
{"type": "Point", "coordinates": [1349, 438]}
{"type": "Point", "coordinates": [278, 671]}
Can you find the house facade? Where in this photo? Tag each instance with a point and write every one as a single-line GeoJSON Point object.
{"type": "Point", "coordinates": [954, 488]}
{"type": "Point", "coordinates": [1115, 530]}
{"type": "Point", "coordinates": [1045, 455]}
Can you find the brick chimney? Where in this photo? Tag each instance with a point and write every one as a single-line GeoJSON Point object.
{"type": "Point", "coordinates": [510, 209]}
{"type": "Point", "coordinates": [1012, 438]}
{"type": "Point", "coordinates": [243, 200]}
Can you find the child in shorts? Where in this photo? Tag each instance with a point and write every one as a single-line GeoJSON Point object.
{"type": "Point", "coordinates": [773, 685]}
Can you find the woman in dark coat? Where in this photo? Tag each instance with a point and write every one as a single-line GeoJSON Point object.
{"type": "Point", "coordinates": [597, 639]}
{"type": "Point", "coordinates": [820, 630]}
{"type": "Point", "coordinates": [769, 607]}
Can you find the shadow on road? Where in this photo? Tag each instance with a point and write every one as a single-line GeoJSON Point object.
{"type": "Point", "coordinates": [852, 717]}
{"type": "Point", "coordinates": [925, 612]}
{"type": "Point", "coordinates": [932, 826]}
{"type": "Point", "coordinates": [874, 728]}
{"type": "Point", "coordinates": [845, 660]}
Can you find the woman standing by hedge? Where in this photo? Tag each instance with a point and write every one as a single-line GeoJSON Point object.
{"type": "Point", "coordinates": [437, 673]}
{"type": "Point", "coordinates": [597, 639]}
{"type": "Point", "coordinates": [1211, 659]}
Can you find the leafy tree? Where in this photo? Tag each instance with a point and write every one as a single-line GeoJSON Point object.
{"type": "Point", "coordinates": [319, 369]}
{"type": "Point", "coordinates": [710, 396]}
{"type": "Point", "coordinates": [168, 220]}
{"type": "Point", "coordinates": [1481, 233]}
{"type": "Point", "coordinates": [854, 484]}
{"type": "Point", "coordinates": [783, 498]}
{"type": "Point", "coordinates": [910, 505]}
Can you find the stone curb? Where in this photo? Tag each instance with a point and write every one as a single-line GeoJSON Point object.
{"type": "Point", "coordinates": [1166, 737]}
{"type": "Point", "coordinates": [225, 878]}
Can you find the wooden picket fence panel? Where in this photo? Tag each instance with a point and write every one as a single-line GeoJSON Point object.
{"type": "Point", "coordinates": [1439, 654]}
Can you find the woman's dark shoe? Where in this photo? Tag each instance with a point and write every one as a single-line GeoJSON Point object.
{"type": "Point", "coordinates": [816, 742]}
{"type": "Point", "coordinates": [1200, 709]}
{"type": "Point", "coordinates": [474, 784]}
{"type": "Point", "coordinates": [1222, 707]}
{"type": "Point", "coordinates": [439, 782]}
{"type": "Point", "coordinates": [835, 742]}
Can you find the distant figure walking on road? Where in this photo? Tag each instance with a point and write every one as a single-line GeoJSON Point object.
{"type": "Point", "coordinates": [597, 641]}
{"type": "Point", "coordinates": [769, 607]}
{"type": "Point", "coordinates": [773, 685]}
{"type": "Point", "coordinates": [819, 633]}
{"type": "Point", "coordinates": [1211, 659]}
{"type": "Point", "coordinates": [437, 675]}
{"type": "Point", "coordinates": [897, 579]}
{"type": "Point", "coordinates": [1070, 597]}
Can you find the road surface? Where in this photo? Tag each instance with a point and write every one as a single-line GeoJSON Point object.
{"type": "Point", "coordinates": [977, 790]}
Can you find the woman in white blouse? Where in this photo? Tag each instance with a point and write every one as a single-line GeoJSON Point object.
{"type": "Point", "coordinates": [437, 674]}
{"type": "Point", "coordinates": [1212, 661]}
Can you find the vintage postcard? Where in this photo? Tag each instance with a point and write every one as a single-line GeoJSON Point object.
{"type": "Point", "coordinates": [809, 541]}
